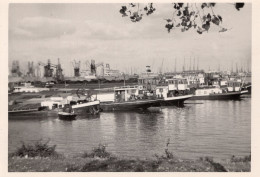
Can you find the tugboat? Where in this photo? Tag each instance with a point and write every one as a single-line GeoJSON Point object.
{"type": "Point", "coordinates": [130, 98]}
{"type": "Point", "coordinates": [86, 104]}
{"type": "Point", "coordinates": [87, 107]}
{"type": "Point", "coordinates": [67, 113]}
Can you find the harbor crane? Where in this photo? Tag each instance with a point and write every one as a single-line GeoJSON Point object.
{"type": "Point", "coordinates": [48, 70]}
{"type": "Point", "coordinates": [15, 71]}
{"type": "Point", "coordinates": [76, 66]}
{"type": "Point", "coordinates": [31, 70]}
{"type": "Point", "coordinates": [93, 67]}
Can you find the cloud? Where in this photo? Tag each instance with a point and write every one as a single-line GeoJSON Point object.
{"type": "Point", "coordinates": [42, 27]}
{"type": "Point", "coordinates": [104, 31]}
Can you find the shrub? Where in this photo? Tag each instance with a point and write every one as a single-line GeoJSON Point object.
{"type": "Point", "coordinates": [241, 159]}
{"type": "Point", "coordinates": [99, 151]}
{"type": "Point", "coordinates": [217, 166]}
{"type": "Point", "coordinates": [37, 149]}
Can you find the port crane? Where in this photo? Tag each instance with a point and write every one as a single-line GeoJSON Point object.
{"type": "Point", "coordinates": [15, 71]}
{"type": "Point", "coordinates": [48, 70]}
{"type": "Point", "coordinates": [76, 66]}
{"type": "Point", "coordinates": [93, 67]}
{"type": "Point", "coordinates": [31, 70]}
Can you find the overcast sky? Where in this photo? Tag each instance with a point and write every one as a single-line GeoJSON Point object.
{"type": "Point", "coordinates": [38, 32]}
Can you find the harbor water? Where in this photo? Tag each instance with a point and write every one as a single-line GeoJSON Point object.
{"type": "Point", "coordinates": [218, 129]}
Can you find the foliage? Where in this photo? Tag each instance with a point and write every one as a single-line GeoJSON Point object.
{"type": "Point", "coordinates": [168, 154]}
{"type": "Point", "coordinates": [185, 16]}
{"type": "Point", "coordinates": [215, 165]}
{"type": "Point", "coordinates": [99, 152]}
{"type": "Point", "coordinates": [241, 159]}
{"type": "Point", "coordinates": [37, 149]}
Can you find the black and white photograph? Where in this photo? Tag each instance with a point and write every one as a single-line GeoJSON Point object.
{"type": "Point", "coordinates": [129, 87]}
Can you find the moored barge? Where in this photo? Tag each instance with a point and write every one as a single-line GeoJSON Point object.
{"type": "Point", "coordinates": [130, 98]}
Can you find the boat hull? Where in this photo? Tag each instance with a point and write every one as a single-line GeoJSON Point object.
{"type": "Point", "coordinates": [130, 105]}
{"type": "Point", "coordinates": [87, 108]}
{"type": "Point", "coordinates": [175, 101]}
{"type": "Point", "coordinates": [67, 116]}
{"type": "Point", "coordinates": [222, 96]}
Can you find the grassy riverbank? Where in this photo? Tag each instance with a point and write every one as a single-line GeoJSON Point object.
{"type": "Point", "coordinates": [40, 157]}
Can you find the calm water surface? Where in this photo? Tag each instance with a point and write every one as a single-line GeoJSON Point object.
{"type": "Point", "coordinates": [209, 128]}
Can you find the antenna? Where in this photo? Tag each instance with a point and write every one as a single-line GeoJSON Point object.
{"type": "Point", "coordinates": [183, 68]}
{"type": "Point", "coordinates": [190, 63]}
{"type": "Point", "coordinates": [175, 66]}
{"type": "Point", "coordinates": [193, 63]}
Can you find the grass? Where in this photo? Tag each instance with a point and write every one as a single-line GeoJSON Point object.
{"type": "Point", "coordinates": [39, 157]}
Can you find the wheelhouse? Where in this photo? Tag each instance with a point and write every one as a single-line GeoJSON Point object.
{"type": "Point", "coordinates": [234, 86]}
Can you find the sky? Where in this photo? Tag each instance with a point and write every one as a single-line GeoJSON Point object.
{"type": "Point", "coordinates": [38, 32]}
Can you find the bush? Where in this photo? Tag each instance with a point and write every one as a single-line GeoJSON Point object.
{"type": "Point", "coordinates": [241, 159]}
{"type": "Point", "coordinates": [100, 152]}
{"type": "Point", "coordinates": [217, 166]}
{"type": "Point", "coordinates": [37, 149]}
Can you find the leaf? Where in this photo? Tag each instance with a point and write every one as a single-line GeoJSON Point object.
{"type": "Point", "coordinates": [138, 18]}
{"type": "Point", "coordinates": [215, 20]}
{"type": "Point", "coordinates": [206, 26]}
{"type": "Point", "coordinates": [223, 30]}
{"type": "Point", "coordinates": [180, 4]}
{"type": "Point", "coordinates": [133, 5]}
{"type": "Point", "coordinates": [189, 25]}
{"type": "Point", "coordinates": [176, 6]}
{"type": "Point", "coordinates": [192, 13]}
{"type": "Point", "coordinates": [179, 13]}
{"type": "Point", "coordinates": [212, 4]}
{"type": "Point", "coordinates": [146, 8]}
{"type": "Point", "coordinates": [204, 18]}
{"type": "Point", "coordinates": [208, 17]}
{"type": "Point", "coordinates": [178, 25]}
{"type": "Point", "coordinates": [168, 20]}
{"type": "Point", "coordinates": [183, 23]}
{"type": "Point", "coordinates": [200, 32]}
{"type": "Point", "coordinates": [238, 6]}
{"type": "Point", "coordinates": [123, 11]}
{"type": "Point", "coordinates": [186, 12]}
{"type": "Point", "coordinates": [203, 5]}
{"type": "Point", "coordinates": [220, 18]}
{"type": "Point", "coordinates": [169, 27]}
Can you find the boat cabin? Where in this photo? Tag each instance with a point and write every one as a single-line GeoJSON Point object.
{"type": "Point", "coordinates": [177, 84]}
{"type": "Point", "coordinates": [149, 83]}
{"type": "Point", "coordinates": [234, 86]}
{"type": "Point", "coordinates": [208, 91]}
{"type": "Point", "coordinates": [126, 93]}
{"type": "Point", "coordinates": [161, 91]}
